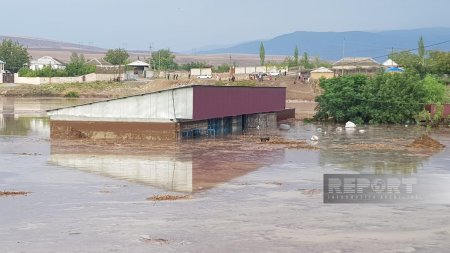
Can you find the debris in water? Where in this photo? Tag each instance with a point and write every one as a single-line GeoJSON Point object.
{"type": "Point", "coordinates": [168, 197]}
{"type": "Point", "coordinates": [314, 138]}
{"type": "Point", "coordinates": [361, 131]}
{"type": "Point", "coordinates": [275, 183]}
{"type": "Point", "coordinates": [350, 124]}
{"type": "Point", "coordinates": [13, 193]}
{"type": "Point", "coordinates": [290, 143]}
{"type": "Point", "coordinates": [147, 238]}
{"type": "Point", "coordinates": [426, 141]}
{"type": "Point", "coordinates": [285, 127]}
{"type": "Point", "coordinates": [311, 192]}
{"type": "Point", "coordinates": [265, 139]}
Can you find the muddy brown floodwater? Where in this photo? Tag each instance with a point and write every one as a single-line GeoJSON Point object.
{"type": "Point", "coordinates": [216, 195]}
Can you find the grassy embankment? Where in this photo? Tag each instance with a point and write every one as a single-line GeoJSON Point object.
{"type": "Point", "coordinates": [95, 89]}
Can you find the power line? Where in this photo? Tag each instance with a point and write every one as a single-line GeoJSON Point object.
{"type": "Point", "coordinates": [410, 50]}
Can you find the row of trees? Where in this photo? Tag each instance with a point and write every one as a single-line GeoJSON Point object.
{"type": "Point", "coordinates": [16, 57]}
{"type": "Point", "coordinates": [293, 61]}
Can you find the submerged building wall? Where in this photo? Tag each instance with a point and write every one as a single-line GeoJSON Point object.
{"type": "Point", "coordinates": [113, 130]}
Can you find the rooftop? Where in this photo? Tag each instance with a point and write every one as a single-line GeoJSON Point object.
{"type": "Point", "coordinates": [138, 64]}
{"type": "Point", "coordinates": [356, 62]}
{"type": "Point", "coordinates": [322, 70]}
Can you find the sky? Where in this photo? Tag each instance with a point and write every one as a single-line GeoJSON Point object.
{"type": "Point", "coordinates": [194, 25]}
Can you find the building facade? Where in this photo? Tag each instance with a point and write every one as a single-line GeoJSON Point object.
{"type": "Point", "coordinates": [185, 112]}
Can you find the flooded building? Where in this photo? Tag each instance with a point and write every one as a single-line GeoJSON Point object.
{"type": "Point", "coordinates": [184, 112]}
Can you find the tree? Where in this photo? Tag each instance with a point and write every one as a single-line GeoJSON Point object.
{"type": "Point", "coordinates": [296, 56]}
{"type": "Point", "coordinates": [305, 61]}
{"type": "Point", "coordinates": [287, 62]}
{"type": "Point", "coordinates": [78, 67]}
{"type": "Point", "coordinates": [262, 54]}
{"type": "Point", "coordinates": [408, 61]}
{"type": "Point", "coordinates": [163, 59]}
{"type": "Point", "coordinates": [434, 90]}
{"type": "Point", "coordinates": [117, 56]}
{"type": "Point", "coordinates": [438, 62]}
{"type": "Point", "coordinates": [421, 50]}
{"type": "Point", "coordinates": [191, 65]}
{"type": "Point", "coordinates": [14, 55]}
{"type": "Point", "coordinates": [224, 68]}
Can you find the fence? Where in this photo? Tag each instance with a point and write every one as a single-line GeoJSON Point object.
{"type": "Point", "coordinates": [76, 79]}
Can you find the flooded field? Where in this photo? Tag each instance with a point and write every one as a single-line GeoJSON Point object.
{"type": "Point", "coordinates": [214, 195]}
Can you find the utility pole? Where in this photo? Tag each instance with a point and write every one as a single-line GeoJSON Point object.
{"type": "Point", "coordinates": [343, 54]}
{"type": "Point", "coordinates": [150, 55]}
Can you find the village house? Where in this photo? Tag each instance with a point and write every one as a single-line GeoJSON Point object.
{"type": "Point", "coordinates": [355, 65]}
{"type": "Point", "coordinates": [46, 61]}
{"type": "Point", "coordinates": [321, 72]}
{"type": "Point", "coordinates": [98, 62]}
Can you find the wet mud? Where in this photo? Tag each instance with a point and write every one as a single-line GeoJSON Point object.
{"type": "Point", "coordinates": [168, 197]}
{"type": "Point", "coordinates": [426, 142]}
{"type": "Point", "coordinates": [13, 193]}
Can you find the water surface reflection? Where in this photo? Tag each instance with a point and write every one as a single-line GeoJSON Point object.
{"type": "Point", "coordinates": [172, 167]}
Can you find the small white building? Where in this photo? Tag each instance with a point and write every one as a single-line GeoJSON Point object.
{"type": "Point", "coordinates": [139, 69]}
{"type": "Point", "coordinates": [389, 63]}
{"type": "Point", "coordinates": [46, 61]}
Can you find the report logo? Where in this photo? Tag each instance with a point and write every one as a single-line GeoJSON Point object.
{"type": "Point", "coordinates": [368, 188]}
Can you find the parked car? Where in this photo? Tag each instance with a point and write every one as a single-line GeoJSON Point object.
{"type": "Point", "coordinates": [274, 73]}
{"type": "Point", "coordinates": [204, 77]}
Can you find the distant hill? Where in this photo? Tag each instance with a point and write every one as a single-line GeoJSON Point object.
{"type": "Point", "coordinates": [330, 45]}
{"type": "Point", "coordinates": [45, 44]}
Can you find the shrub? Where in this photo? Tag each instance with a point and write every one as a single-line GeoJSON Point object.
{"type": "Point", "coordinates": [72, 94]}
{"type": "Point", "coordinates": [384, 98]}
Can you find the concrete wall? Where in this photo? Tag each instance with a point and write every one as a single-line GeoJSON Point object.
{"type": "Point", "coordinates": [162, 106]}
{"type": "Point", "coordinates": [263, 120]}
{"type": "Point", "coordinates": [93, 77]}
{"type": "Point", "coordinates": [201, 71]}
{"type": "Point", "coordinates": [257, 69]}
{"type": "Point", "coordinates": [124, 131]}
{"type": "Point", "coordinates": [286, 114]}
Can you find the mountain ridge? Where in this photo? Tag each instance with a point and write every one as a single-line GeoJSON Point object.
{"type": "Point", "coordinates": [333, 45]}
{"type": "Point", "coordinates": [41, 43]}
